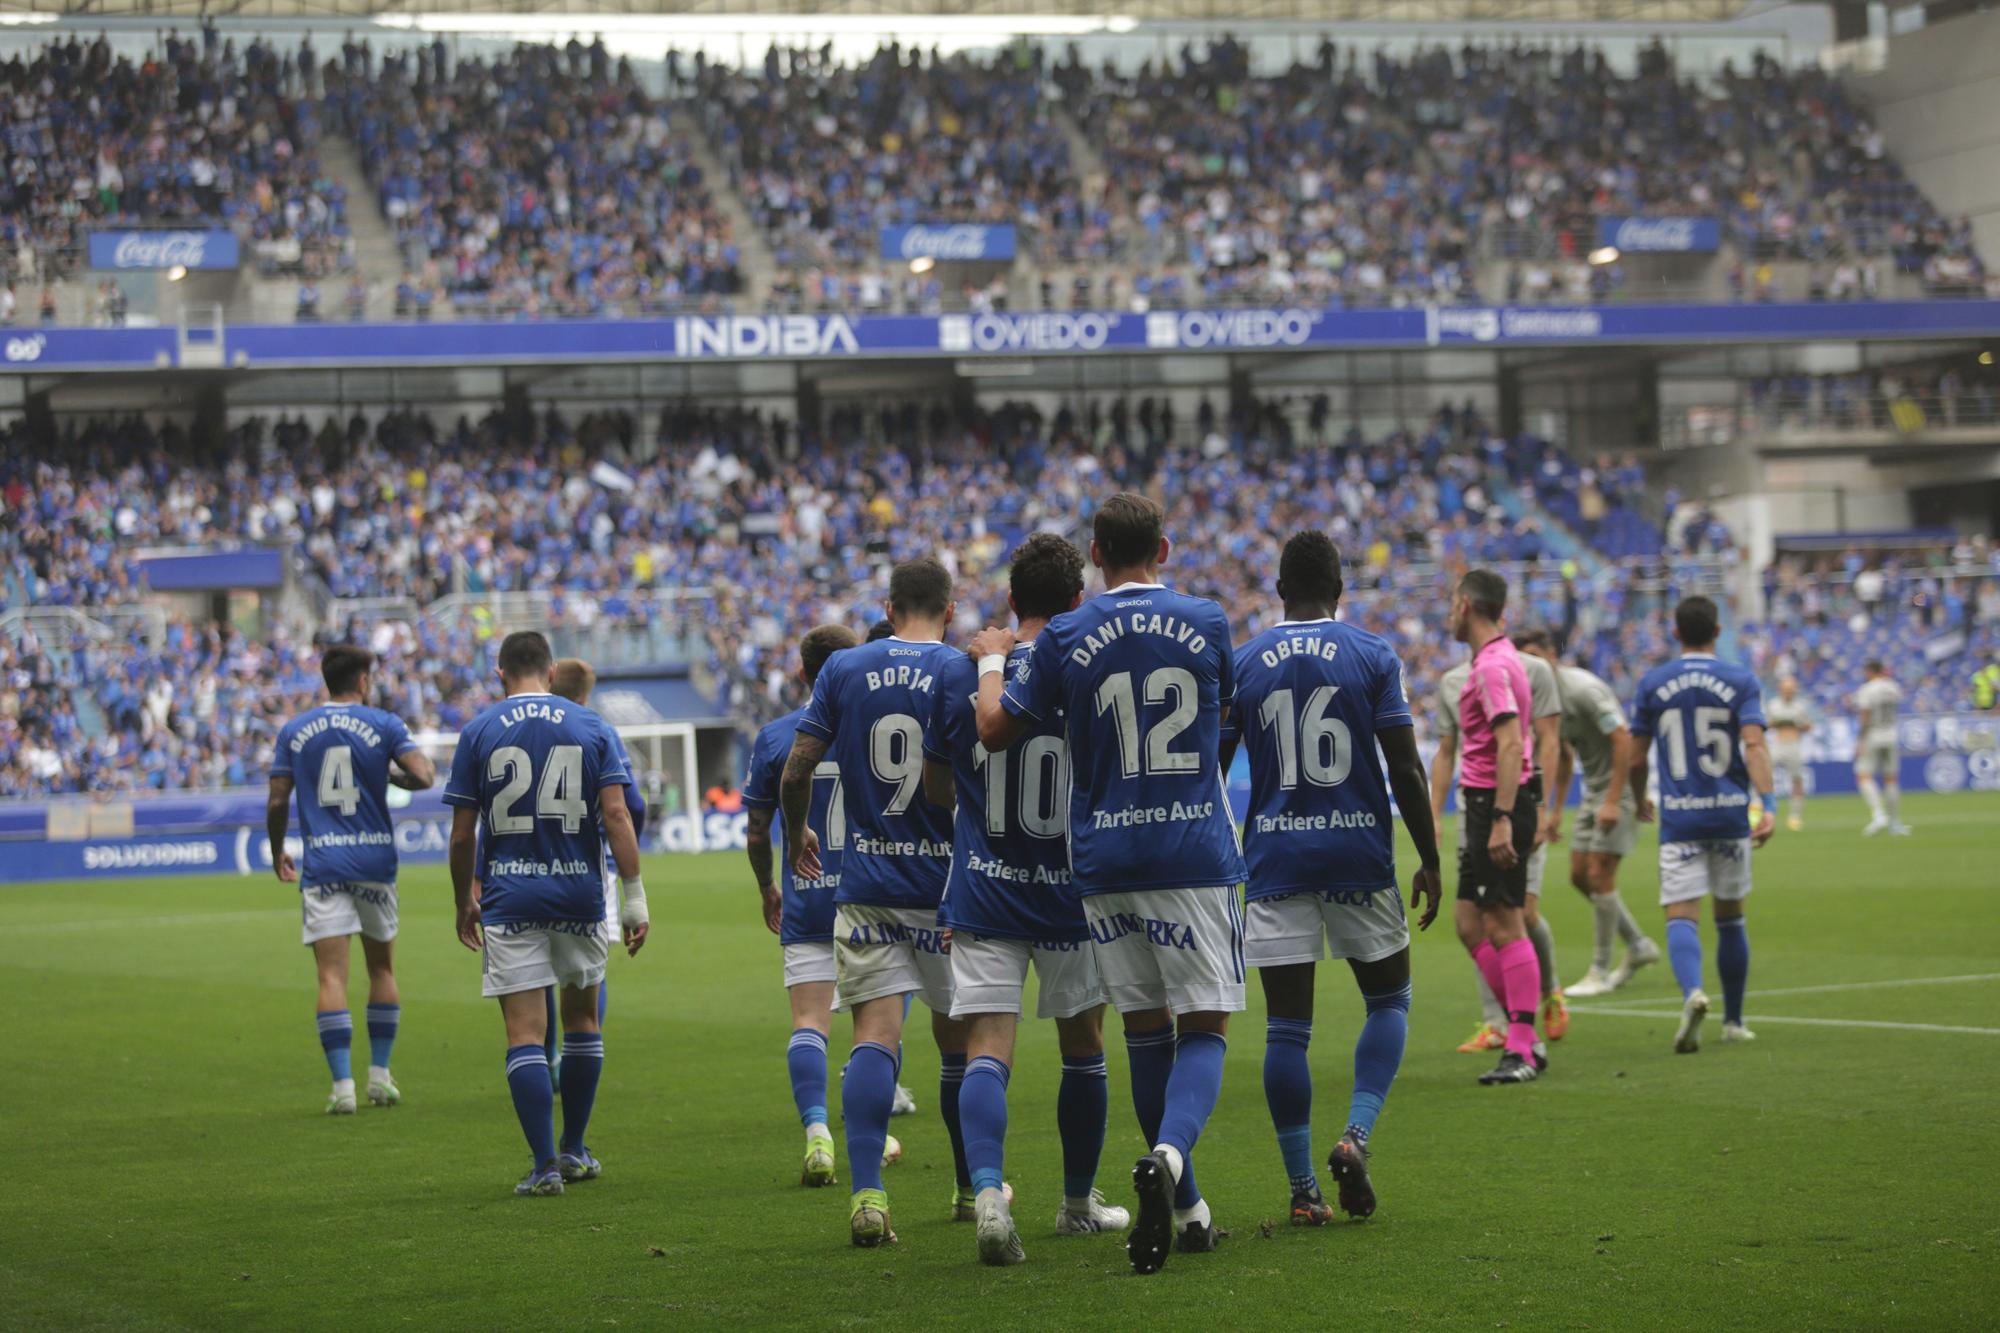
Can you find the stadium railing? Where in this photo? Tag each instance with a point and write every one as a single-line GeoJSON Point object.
{"type": "Point", "coordinates": [1803, 423]}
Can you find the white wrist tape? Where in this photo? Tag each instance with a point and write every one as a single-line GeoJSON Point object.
{"type": "Point", "coordinates": [991, 663]}
{"type": "Point", "coordinates": [634, 913]}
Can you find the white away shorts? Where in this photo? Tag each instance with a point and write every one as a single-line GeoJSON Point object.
{"type": "Point", "coordinates": [330, 911]}
{"type": "Point", "coordinates": [1788, 762]}
{"type": "Point", "coordinates": [1313, 924]}
{"type": "Point", "coordinates": [522, 956]}
{"type": "Point", "coordinates": [881, 951]}
{"type": "Point", "coordinates": [811, 961]}
{"type": "Point", "coordinates": [989, 973]}
{"type": "Point", "coordinates": [1176, 949]}
{"type": "Point", "coordinates": [1879, 760]}
{"type": "Point", "coordinates": [1694, 870]}
{"type": "Point", "coordinates": [1585, 834]}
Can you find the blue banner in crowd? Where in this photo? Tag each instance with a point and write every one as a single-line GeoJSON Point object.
{"type": "Point", "coordinates": [198, 571]}
{"type": "Point", "coordinates": [1032, 333]}
{"type": "Point", "coordinates": [162, 250]}
{"type": "Point", "coordinates": [950, 242]}
{"type": "Point", "coordinates": [1661, 235]}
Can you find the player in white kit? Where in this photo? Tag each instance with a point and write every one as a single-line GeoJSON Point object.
{"type": "Point", "coordinates": [1875, 758]}
{"type": "Point", "coordinates": [1790, 717]}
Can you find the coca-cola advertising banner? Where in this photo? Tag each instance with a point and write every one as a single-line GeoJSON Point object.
{"type": "Point", "coordinates": [160, 250]}
{"type": "Point", "coordinates": [950, 242]}
{"type": "Point", "coordinates": [1661, 235]}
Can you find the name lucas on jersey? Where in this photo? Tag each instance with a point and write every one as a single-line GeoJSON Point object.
{"type": "Point", "coordinates": [1139, 622]}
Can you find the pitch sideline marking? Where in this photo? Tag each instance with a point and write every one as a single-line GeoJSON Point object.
{"type": "Point", "coordinates": [1665, 1014]}
{"type": "Point", "coordinates": [1831, 987]}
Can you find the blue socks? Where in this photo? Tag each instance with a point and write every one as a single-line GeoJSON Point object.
{"type": "Point", "coordinates": [336, 1037]}
{"type": "Point", "coordinates": [382, 1022]}
{"type": "Point", "coordinates": [1151, 1057]}
{"type": "Point", "coordinates": [1684, 951]}
{"type": "Point", "coordinates": [982, 1111]}
{"type": "Point", "coordinates": [534, 1102]}
{"type": "Point", "coordinates": [865, 1098]}
{"type": "Point", "coordinates": [951, 1077]}
{"type": "Point", "coordinates": [1288, 1089]}
{"type": "Point", "coordinates": [1732, 960]}
{"type": "Point", "coordinates": [805, 1057]}
{"type": "Point", "coordinates": [1082, 1106]}
{"type": "Point", "coordinates": [1378, 1054]}
{"type": "Point", "coordinates": [1192, 1089]}
{"type": "Point", "coordinates": [583, 1062]}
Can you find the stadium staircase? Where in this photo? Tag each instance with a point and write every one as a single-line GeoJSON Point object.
{"type": "Point", "coordinates": [376, 255]}
{"type": "Point", "coordinates": [754, 259]}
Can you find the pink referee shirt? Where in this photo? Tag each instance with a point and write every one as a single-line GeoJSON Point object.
{"type": "Point", "coordinates": [1497, 688]}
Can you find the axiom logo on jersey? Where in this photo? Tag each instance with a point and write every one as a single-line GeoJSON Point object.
{"type": "Point", "coordinates": [1230, 328]}
{"type": "Point", "coordinates": [1051, 331]}
{"type": "Point", "coordinates": [764, 335]}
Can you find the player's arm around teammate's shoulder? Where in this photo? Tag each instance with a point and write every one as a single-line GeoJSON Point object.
{"type": "Point", "coordinates": [999, 727]}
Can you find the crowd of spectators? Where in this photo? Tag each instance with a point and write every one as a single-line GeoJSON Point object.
{"type": "Point", "coordinates": [545, 181]}
{"type": "Point", "coordinates": [198, 132]}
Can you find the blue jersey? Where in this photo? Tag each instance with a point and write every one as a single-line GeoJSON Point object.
{"type": "Point", "coordinates": [870, 704]}
{"type": "Point", "coordinates": [1310, 697]}
{"type": "Point", "coordinates": [808, 915]}
{"type": "Point", "coordinates": [635, 806]}
{"type": "Point", "coordinates": [337, 756]}
{"type": "Point", "coordinates": [532, 765]}
{"type": "Point", "coordinates": [1010, 871]}
{"type": "Point", "coordinates": [1141, 675]}
{"type": "Point", "coordinates": [1697, 706]}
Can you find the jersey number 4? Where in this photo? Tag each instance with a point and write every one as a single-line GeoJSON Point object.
{"type": "Point", "coordinates": [337, 789]}
{"type": "Point", "coordinates": [559, 796]}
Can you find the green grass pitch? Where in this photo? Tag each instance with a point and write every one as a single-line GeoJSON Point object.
{"type": "Point", "coordinates": [162, 1087]}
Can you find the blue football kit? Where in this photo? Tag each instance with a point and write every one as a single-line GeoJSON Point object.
{"type": "Point", "coordinates": [1140, 675]}
{"type": "Point", "coordinates": [808, 904]}
{"type": "Point", "coordinates": [533, 765]}
{"type": "Point", "coordinates": [1696, 707]}
{"type": "Point", "coordinates": [1310, 698]}
{"type": "Point", "coordinates": [870, 704]}
{"type": "Point", "coordinates": [338, 757]}
{"type": "Point", "coordinates": [1010, 873]}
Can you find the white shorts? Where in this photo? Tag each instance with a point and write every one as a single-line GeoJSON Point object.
{"type": "Point", "coordinates": [1537, 863]}
{"type": "Point", "coordinates": [1787, 762]}
{"type": "Point", "coordinates": [529, 957]}
{"type": "Point", "coordinates": [988, 974]}
{"type": "Point", "coordinates": [880, 951]}
{"type": "Point", "coordinates": [1175, 949]}
{"type": "Point", "coordinates": [331, 911]}
{"type": "Point", "coordinates": [811, 961]}
{"type": "Point", "coordinates": [1693, 870]}
{"type": "Point", "coordinates": [1619, 839]}
{"type": "Point", "coordinates": [1879, 760]}
{"type": "Point", "coordinates": [1313, 924]}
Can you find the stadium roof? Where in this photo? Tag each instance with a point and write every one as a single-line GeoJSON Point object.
{"type": "Point", "coordinates": [1247, 11]}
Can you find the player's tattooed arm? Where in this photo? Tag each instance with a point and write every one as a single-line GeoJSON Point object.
{"type": "Point", "coordinates": [795, 799]}
{"type": "Point", "coordinates": [1411, 787]}
{"type": "Point", "coordinates": [414, 771]}
{"type": "Point", "coordinates": [998, 728]}
{"type": "Point", "coordinates": [277, 818]}
{"type": "Point", "coordinates": [763, 864]}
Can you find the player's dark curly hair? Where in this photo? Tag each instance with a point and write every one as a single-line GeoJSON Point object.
{"type": "Point", "coordinates": [878, 631]}
{"type": "Point", "coordinates": [821, 642]}
{"type": "Point", "coordinates": [1045, 577]}
{"type": "Point", "coordinates": [1309, 569]}
{"type": "Point", "coordinates": [920, 587]}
